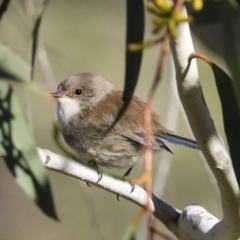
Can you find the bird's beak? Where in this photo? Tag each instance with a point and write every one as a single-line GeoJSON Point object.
{"type": "Point", "coordinates": [56, 94]}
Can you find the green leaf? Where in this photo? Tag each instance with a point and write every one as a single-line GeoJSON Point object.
{"type": "Point", "coordinates": [135, 34]}
{"type": "Point", "coordinates": [12, 66]}
{"type": "Point", "coordinates": [18, 150]}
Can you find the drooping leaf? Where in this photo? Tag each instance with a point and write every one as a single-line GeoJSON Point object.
{"type": "Point", "coordinates": [135, 33]}
{"type": "Point", "coordinates": [230, 110]}
{"type": "Point", "coordinates": [231, 115]}
{"type": "Point", "coordinates": [17, 148]}
{"type": "Point", "coordinates": [12, 66]}
{"type": "Point", "coordinates": [35, 34]}
{"type": "Point", "coordinates": [229, 12]}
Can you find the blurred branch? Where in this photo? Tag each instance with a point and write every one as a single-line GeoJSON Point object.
{"type": "Point", "coordinates": [171, 118]}
{"type": "Point", "coordinates": [147, 127]}
{"type": "Point", "coordinates": [211, 144]}
{"type": "Point", "coordinates": [45, 65]}
{"type": "Point", "coordinates": [35, 35]}
{"type": "Point", "coordinates": [40, 50]}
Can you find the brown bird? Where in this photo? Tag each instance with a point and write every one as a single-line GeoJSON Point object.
{"type": "Point", "coordinates": [88, 105]}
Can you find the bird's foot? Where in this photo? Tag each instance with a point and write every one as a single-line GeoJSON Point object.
{"type": "Point", "coordinates": [100, 175]}
{"type": "Point", "coordinates": [89, 185]}
{"type": "Point", "coordinates": [126, 178]}
{"type": "Point", "coordinates": [95, 166]}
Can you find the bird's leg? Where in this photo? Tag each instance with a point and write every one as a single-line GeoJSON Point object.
{"type": "Point", "coordinates": [126, 175]}
{"type": "Point", "coordinates": [95, 166]}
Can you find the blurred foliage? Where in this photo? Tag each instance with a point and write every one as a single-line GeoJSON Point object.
{"type": "Point", "coordinates": [18, 150]}
{"type": "Point", "coordinates": [12, 66]}
{"type": "Point", "coordinates": [166, 15]}
{"type": "Point", "coordinates": [18, 147]}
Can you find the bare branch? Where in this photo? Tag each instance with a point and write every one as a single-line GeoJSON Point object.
{"type": "Point", "coordinates": [164, 212]}
{"type": "Point", "coordinates": [75, 169]}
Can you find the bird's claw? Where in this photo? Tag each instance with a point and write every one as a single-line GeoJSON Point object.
{"type": "Point", "coordinates": [88, 184]}
{"type": "Point", "coordinates": [95, 166]}
{"type": "Point", "coordinates": [100, 175]}
{"type": "Point", "coordinates": [132, 189]}
{"type": "Point", "coordinates": [132, 186]}
{"type": "Point", "coordinates": [118, 195]}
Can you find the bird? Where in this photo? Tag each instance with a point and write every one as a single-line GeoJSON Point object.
{"type": "Point", "coordinates": [87, 105]}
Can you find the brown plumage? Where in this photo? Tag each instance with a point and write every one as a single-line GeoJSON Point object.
{"type": "Point", "coordinates": [88, 105]}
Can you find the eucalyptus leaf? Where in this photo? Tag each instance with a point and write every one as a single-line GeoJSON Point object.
{"type": "Point", "coordinates": [12, 66]}
{"type": "Point", "coordinates": [135, 34]}
{"type": "Point", "coordinates": [231, 114]}
{"type": "Point", "coordinates": [18, 150]}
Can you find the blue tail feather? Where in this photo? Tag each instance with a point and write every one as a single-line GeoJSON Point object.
{"type": "Point", "coordinates": [174, 139]}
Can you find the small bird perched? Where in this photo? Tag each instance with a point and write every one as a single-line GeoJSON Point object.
{"type": "Point", "coordinates": [88, 105]}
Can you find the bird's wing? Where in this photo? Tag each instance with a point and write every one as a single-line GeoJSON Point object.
{"type": "Point", "coordinates": [131, 124]}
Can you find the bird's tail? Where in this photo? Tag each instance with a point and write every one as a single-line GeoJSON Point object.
{"type": "Point", "coordinates": [174, 139]}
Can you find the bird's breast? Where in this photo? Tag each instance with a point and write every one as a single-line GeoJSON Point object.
{"type": "Point", "coordinates": [67, 108]}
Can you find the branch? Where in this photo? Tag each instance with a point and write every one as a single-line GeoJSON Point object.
{"type": "Point", "coordinates": [162, 211]}
{"type": "Point", "coordinates": [75, 169]}
{"type": "Point", "coordinates": [210, 142]}
{"type": "Point", "coordinates": [183, 224]}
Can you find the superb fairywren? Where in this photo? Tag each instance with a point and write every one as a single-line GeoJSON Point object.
{"type": "Point", "coordinates": [88, 105]}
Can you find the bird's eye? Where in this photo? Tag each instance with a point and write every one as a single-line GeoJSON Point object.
{"type": "Point", "coordinates": [78, 91]}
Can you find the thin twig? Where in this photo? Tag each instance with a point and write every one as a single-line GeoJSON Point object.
{"type": "Point", "coordinates": [147, 126]}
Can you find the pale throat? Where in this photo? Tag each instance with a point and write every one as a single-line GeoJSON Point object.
{"type": "Point", "coordinates": [67, 108]}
